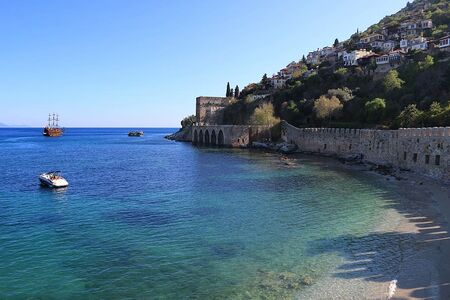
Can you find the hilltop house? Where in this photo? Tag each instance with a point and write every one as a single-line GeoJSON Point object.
{"type": "Point", "coordinates": [351, 58]}
{"type": "Point", "coordinates": [419, 43]}
{"type": "Point", "coordinates": [389, 61]}
{"type": "Point", "coordinates": [277, 81]}
{"type": "Point", "coordinates": [413, 28]}
{"type": "Point", "coordinates": [372, 38]}
{"type": "Point", "coordinates": [444, 43]}
{"type": "Point", "coordinates": [313, 57]}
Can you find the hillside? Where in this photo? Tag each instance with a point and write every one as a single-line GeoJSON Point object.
{"type": "Point", "coordinates": [394, 74]}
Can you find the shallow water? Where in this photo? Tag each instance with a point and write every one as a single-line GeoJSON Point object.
{"type": "Point", "coordinates": [151, 218]}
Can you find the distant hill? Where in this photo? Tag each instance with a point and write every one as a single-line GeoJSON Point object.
{"type": "Point", "coordinates": [3, 125]}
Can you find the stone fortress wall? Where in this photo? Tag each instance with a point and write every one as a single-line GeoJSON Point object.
{"type": "Point", "coordinates": [229, 135]}
{"type": "Point", "coordinates": [422, 150]}
{"type": "Point", "coordinates": [209, 110]}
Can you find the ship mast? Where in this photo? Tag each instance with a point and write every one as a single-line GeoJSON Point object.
{"type": "Point", "coordinates": [57, 120]}
{"type": "Point", "coordinates": [49, 120]}
{"type": "Point", "coordinates": [53, 121]}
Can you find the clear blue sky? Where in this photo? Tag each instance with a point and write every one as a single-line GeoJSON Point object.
{"type": "Point", "coordinates": [142, 63]}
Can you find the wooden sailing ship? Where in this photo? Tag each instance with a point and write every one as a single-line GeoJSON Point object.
{"type": "Point", "coordinates": [52, 129]}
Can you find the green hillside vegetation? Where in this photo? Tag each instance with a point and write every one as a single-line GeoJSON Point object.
{"type": "Point", "coordinates": [415, 94]}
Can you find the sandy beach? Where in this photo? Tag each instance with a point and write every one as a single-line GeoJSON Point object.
{"type": "Point", "coordinates": [414, 260]}
{"type": "Point", "coordinates": [425, 270]}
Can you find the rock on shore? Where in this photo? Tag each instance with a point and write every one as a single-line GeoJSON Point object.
{"type": "Point", "coordinates": [182, 135]}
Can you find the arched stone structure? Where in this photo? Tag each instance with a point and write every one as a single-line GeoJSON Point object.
{"type": "Point", "coordinates": [195, 141]}
{"type": "Point", "coordinates": [206, 137]}
{"type": "Point", "coordinates": [200, 137]}
{"type": "Point", "coordinates": [213, 138]}
{"type": "Point", "coordinates": [229, 135]}
{"type": "Point", "coordinates": [220, 139]}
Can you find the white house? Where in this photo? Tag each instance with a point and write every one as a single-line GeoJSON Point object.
{"type": "Point", "coordinates": [383, 59]}
{"type": "Point", "coordinates": [444, 43]}
{"type": "Point", "coordinates": [422, 45]}
{"type": "Point", "coordinates": [419, 43]}
{"type": "Point", "coordinates": [404, 44]}
{"type": "Point", "coordinates": [372, 38]}
{"type": "Point", "coordinates": [277, 81]}
{"type": "Point", "coordinates": [388, 46]}
{"type": "Point", "coordinates": [351, 59]}
{"type": "Point", "coordinates": [426, 24]}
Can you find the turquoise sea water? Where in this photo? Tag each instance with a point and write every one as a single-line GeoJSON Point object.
{"type": "Point", "coordinates": [147, 218]}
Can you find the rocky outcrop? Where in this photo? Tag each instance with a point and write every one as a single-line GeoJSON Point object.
{"type": "Point", "coordinates": [182, 135]}
{"type": "Point", "coordinates": [285, 148]}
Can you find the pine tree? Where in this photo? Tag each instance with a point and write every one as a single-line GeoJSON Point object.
{"type": "Point", "coordinates": [336, 42]}
{"type": "Point", "coordinates": [228, 90]}
{"type": "Point", "coordinates": [236, 92]}
{"type": "Point", "coordinates": [304, 59]}
{"type": "Point", "coordinates": [231, 93]}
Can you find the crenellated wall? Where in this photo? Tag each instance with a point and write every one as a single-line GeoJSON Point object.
{"type": "Point", "coordinates": [229, 135]}
{"type": "Point", "coordinates": [422, 150]}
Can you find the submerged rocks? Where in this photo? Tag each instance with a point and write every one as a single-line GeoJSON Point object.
{"type": "Point", "coordinates": [277, 285]}
{"type": "Point", "coordinates": [286, 148]}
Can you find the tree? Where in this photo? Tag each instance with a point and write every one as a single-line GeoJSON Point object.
{"type": "Point", "coordinates": [264, 115]}
{"type": "Point", "coordinates": [304, 59]}
{"type": "Point", "coordinates": [375, 109]}
{"type": "Point", "coordinates": [392, 81]}
{"type": "Point", "coordinates": [336, 43]}
{"type": "Point", "coordinates": [343, 94]}
{"type": "Point", "coordinates": [265, 81]}
{"type": "Point", "coordinates": [236, 91]}
{"type": "Point", "coordinates": [325, 107]}
{"type": "Point", "coordinates": [409, 116]}
{"type": "Point", "coordinates": [228, 90]}
{"type": "Point", "coordinates": [188, 121]}
{"type": "Point", "coordinates": [427, 62]}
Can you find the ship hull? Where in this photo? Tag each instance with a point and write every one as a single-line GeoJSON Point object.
{"type": "Point", "coordinates": [52, 132]}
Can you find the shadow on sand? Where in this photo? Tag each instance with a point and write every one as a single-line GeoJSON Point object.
{"type": "Point", "coordinates": [419, 258]}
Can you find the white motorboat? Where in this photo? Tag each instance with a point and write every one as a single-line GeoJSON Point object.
{"type": "Point", "coordinates": [53, 179]}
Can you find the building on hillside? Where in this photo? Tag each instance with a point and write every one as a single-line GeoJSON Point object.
{"type": "Point", "coordinates": [426, 24]}
{"type": "Point", "coordinates": [325, 51]}
{"type": "Point", "coordinates": [419, 43]}
{"type": "Point", "coordinates": [444, 43]}
{"type": "Point", "coordinates": [388, 46]}
{"type": "Point", "coordinates": [209, 110]}
{"type": "Point", "coordinates": [313, 57]}
{"type": "Point", "coordinates": [372, 38]}
{"type": "Point", "coordinates": [414, 28]}
{"type": "Point", "coordinates": [389, 61]}
{"type": "Point", "coordinates": [292, 68]}
{"type": "Point", "coordinates": [351, 58]}
{"type": "Point", "coordinates": [277, 81]}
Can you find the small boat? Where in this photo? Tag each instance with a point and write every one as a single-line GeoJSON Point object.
{"type": "Point", "coordinates": [135, 133]}
{"type": "Point", "coordinates": [52, 129]}
{"type": "Point", "coordinates": [53, 179]}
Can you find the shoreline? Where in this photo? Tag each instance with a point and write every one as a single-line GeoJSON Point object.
{"type": "Point", "coordinates": [421, 237]}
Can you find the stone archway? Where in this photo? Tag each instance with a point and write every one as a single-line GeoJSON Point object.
{"type": "Point", "coordinates": [220, 139]}
{"type": "Point", "coordinates": [206, 137]}
{"type": "Point", "coordinates": [213, 138]}
{"type": "Point", "coordinates": [200, 137]}
{"type": "Point", "coordinates": [195, 137]}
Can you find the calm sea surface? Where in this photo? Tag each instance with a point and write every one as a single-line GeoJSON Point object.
{"type": "Point", "coordinates": [147, 218]}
